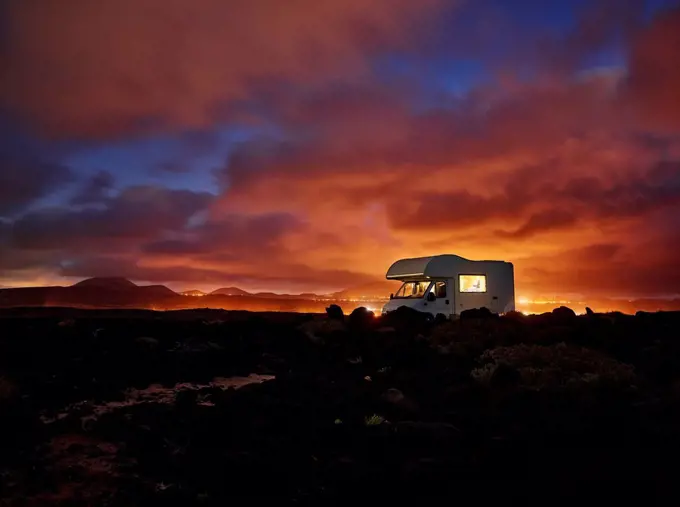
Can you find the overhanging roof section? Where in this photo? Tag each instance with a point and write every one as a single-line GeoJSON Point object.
{"type": "Point", "coordinates": [438, 266]}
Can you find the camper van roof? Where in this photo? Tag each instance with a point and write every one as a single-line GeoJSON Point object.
{"type": "Point", "coordinates": [436, 266]}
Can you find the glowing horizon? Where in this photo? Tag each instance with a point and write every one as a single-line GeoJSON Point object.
{"type": "Point", "coordinates": [521, 300]}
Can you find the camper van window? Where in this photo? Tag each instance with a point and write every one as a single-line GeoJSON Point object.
{"type": "Point", "coordinates": [412, 290]}
{"type": "Point", "coordinates": [440, 289]}
{"type": "Point", "coordinates": [472, 283]}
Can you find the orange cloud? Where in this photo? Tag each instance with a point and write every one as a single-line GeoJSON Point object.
{"type": "Point", "coordinates": [654, 73]}
{"type": "Point", "coordinates": [521, 174]}
{"type": "Point", "coordinates": [93, 69]}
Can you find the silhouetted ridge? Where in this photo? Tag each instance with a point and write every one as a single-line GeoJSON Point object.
{"type": "Point", "coordinates": [230, 291]}
{"type": "Point", "coordinates": [156, 290]}
{"type": "Point", "coordinates": [117, 283]}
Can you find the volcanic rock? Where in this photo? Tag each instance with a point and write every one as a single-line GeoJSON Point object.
{"type": "Point", "coordinates": [360, 319]}
{"type": "Point", "coordinates": [335, 312]}
{"type": "Point", "coordinates": [564, 312]}
{"type": "Point", "coordinates": [478, 314]}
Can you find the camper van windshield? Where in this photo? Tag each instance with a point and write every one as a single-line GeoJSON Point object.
{"type": "Point", "coordinates": [412, 289]}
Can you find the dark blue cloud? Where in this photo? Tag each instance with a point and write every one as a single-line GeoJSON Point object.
{"type": "Point", "coordinates": [29, 169]}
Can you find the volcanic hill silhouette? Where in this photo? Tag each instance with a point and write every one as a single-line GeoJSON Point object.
{"type": "Point", "coordinates": [230, 291]}
{"type": "Point", "coordinates": [111, 283]}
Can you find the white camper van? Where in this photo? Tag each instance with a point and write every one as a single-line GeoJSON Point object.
{"type": "Point", "coordinates": [449, 284]}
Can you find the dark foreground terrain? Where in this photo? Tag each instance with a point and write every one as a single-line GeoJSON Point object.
{"type": "Point", "coordinates": [200, 407]}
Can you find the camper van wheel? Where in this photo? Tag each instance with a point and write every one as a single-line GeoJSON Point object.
{"type": "Point", "coordinates": [441, 318]}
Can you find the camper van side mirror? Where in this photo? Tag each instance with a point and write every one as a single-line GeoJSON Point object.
{"type": "Point", "coordinates": [431, 296]}
{"type": "Point", "coordinates": [391, 296]}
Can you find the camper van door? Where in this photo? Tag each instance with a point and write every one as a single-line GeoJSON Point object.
{"type": "Point", "coordinates": [443, 292]}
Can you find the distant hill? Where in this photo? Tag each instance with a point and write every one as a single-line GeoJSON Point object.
{"type": "Point", "coordinates": [113, 283]}
{"type": "Point", "coordinates": [230, 291]}
{"type": "Point", "coordinates": [235, 291]}
{"type": "Point", "coordinates": [123, 284]}
{"type": "Point", "coordinates": [193, 292]}
{"type": "Point", "coordinates": [269, 295]}
{"type": "Point", "coordinates": [99, 292]}
{"type": "Point", "coordinates": [155, 290]}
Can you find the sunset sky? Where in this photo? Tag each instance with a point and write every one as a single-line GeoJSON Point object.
{"type": "Point", "coordinates": [304, 145]}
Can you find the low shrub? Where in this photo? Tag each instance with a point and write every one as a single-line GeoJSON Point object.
{"type": "Point", "coordinates": [555, 366]}
{"type": "Point", "coordinates": [450, 338]}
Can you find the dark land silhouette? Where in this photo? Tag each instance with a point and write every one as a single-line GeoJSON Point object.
{"type": "Point", "coordinates": [203, 407]}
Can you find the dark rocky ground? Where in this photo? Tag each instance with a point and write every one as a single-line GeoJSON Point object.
{"type": "Point", "coordinates": [150, 408]}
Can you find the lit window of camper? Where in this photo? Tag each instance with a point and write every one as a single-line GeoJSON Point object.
{"type": "Point", "coordinates": [472, 283]}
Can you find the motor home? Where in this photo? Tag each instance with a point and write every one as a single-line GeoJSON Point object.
{"type": "Point", "coordinates": [449, 284]}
